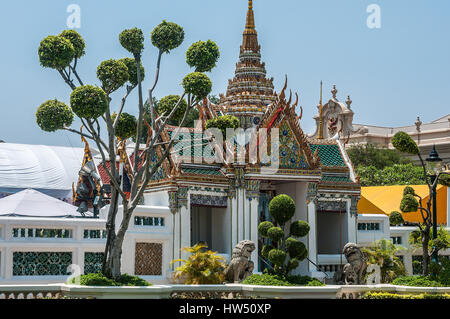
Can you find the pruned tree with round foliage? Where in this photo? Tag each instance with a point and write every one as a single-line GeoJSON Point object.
{"type": "Point", "coordinates": [411, 202]}
{"type": "Point", "coordinates": [281, 246]}
{"type": "Point", "coordinates": [53, 115]}
{"type": "Point", "coordinates": [203, 55]}
{"type": "Point", "coordinates": [167, 36]}
{"type": "Point", "coordinates": [223, 123]}
{"type": "Point", "coordinates": [77, 41]}
{"type": "Point", "coordinates": [94, 106]}
{"type": "Point", "coordinates": [132, 70]}
{"type": "Point", "coordinates": [170, 103]}
{"type": "Point", "coordinates": [396, 218]}
{"type": "Point", "coordinates": [132, 40]}
{"type": "Point", "coordinates": [113, 74]}
{"type": "Point", "coordinates": [126, 125]}
{"type": "Point", "coordinates": [89, 102]}
{"type": "Point", "coordinates": [56, 52]}
{"type": "Point", "coordinates": [197, 84]}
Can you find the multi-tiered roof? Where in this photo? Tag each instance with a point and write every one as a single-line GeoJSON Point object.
{"type": "Point", "coordinates": [249, 92]}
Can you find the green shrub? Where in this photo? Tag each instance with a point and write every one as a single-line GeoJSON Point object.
{"type": "Point", "coordinates": [167, 36]}
{"type": "Point", "coordinates": [53, 115]}
{"type": "Point", "coordinates": [132, 70]}
{"type": "Point", "coordinates": [168, 103]}
{"type": "Point", "coordinates": [264, 227]}
{"type": "Point", "coordinates": [56, 52]}
{"type": "Point", "coordinates": [89, 101]}
{"type": "Point", "coordinates": [299, 228]}
{"type": "Point", "coordinates": [113, 74]}
{"type": "Point", "coordinates": [396, 218]}
{"type": "Point", "coordinates": [132, 40]}
{"type": "Point", "coordinates": [203, 55]}
{"type": "Point", "coordinates": [409, 204]}
{"type": "Point", "coordinates": [222, 123]}
{"type": "Point", "coordinates": [416, 281]}
{"type": "Point", "coordinates": [277, 257]}
{"type": "Point", "coordinates": [275, 233]}
{"type": "Point", "coordinates": [77, 41]}
{"type": "Point", "coordinates": [282, 208]}
{"type": "Point", "coordinates": [404, 143]}
{"type": "Point", "coordinates": [409, 190]}
{"type": "Point", "coordinates": [126, 126]}
{"type": "Point", "coordinates": [278, 280]}
{"type": "Point", "coordinates": [265, 250]}
{"type": "Point", "coordinates": [197, 84]}
{"type": "Point", "coordinates": [387, 295]}
{"type": "Point", "coordinates": [296, 249]}
{"type": "Point", "coordinates": [98, 279]}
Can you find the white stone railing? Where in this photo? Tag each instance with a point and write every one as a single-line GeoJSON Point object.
{"type": "Point", "coordinates": [167, 291]}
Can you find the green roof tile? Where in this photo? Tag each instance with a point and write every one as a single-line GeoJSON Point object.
{"type": "Point", "coordinates": [330, 155]}
{"type": "Point", "coordinates": [202, 171]}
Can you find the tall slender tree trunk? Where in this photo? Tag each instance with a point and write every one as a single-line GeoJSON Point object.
{"type": "Point", "coordinates": [425, 256]}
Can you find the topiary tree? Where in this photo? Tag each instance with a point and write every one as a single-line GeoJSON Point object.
{"type": "Point", "coordinates": [281, 246]}
{"type": "Point", "coordinates": [107, 127]}
{"type": "Point", "coordinates": [411, 202]}
{"type": "Point", "coordinates": [203, 55]}
{"type": "Point", "coordinates": [168, 103]}
{"type": "Point", "coordinates": [396, 218]}
{"type": "Point", "coordinates": [222, 123]}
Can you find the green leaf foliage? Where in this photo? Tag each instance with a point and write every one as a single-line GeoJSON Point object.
{"type": "Point", "coordinates": [372, 155]}
{"type": "Point", "coordinates": [416, 281]}
{"type": "Point", "coordinates": [277, 257]}
{"type": "Point", "coordinates": [265, 250]}
{"type": "Point", "coordinates": [167, 36]}
{"type": "Point", "coordinates": [222, 123]}
{"type": "Point", "coordinates": [167, 104]}
{"type": "Point", "coordinates": [396, 218]}
{"type": "Point", "coordinates": [197, 84]}
{"type": "Point", "coordinates": [203, 56]}
{"type": "Point", "coordinates": [383, 253]}
{"type": "Point", "coordinates": [404, 143]}
{"type": "Point", "coordinates": [296, 249]}
{"type": "Point", "coordinates": [112, 74]}
{"type": "Point", "coordinates": [126, 126]}
{"type": "Point", "coordinates": [299, 228]}
{"type": "Point", "coordinates": [279, 280]}
{"type": "Point", "coordinates": [409, 204]}
{"type": "Point", "coordinates": [53, 115]}
{"type": "Point", "coordinates": [264, 227]}
{"type": "Point", "coordinates": [132, 40]}
{"type": "Point", "coordinates": [388, 295]}
{"type": "Point", "coordinates": [203, 267]}
{"type": "Point", "coordinates": [98, 279]}
{"type": "Point", "coordinates": [409, 190]}
{"type": "Point", "coordinates": [282, 208]}
{"type": "Point", "coordinates": [132, 70]}
{"type": "Point", "coordinates": [89, 101]}
{"type": "Point", "coordinates": [398, 174]}
{"type": "Point", "coordinates": [56, 52]}
{"type": "Point", "coordinates": [275, 234]}
{"type": "Point", "coordinates": [77, 41]}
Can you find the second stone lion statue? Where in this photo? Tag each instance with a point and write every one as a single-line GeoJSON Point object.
{"type": "Point", "coordinates": [356, 264]}
{"type": "Point", "coordinates": [240, 266]}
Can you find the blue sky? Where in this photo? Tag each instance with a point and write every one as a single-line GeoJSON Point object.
{"type": "Point", "coordinates": [393, 74]}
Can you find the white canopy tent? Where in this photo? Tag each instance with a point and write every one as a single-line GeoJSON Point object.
{"type": "Point", "coordinates": [48, 169]}
{"type": "Point", "coordinates": [31, 203]}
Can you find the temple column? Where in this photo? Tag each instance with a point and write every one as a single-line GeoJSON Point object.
{"type": "Point", "coordinates": [253, 231]}
{"type": "Point", "coordinates": [312, 236]}
{"type": "Point", "coordinates": [240, 214]}
{"type": "Point", "coordinates": [351, 222]}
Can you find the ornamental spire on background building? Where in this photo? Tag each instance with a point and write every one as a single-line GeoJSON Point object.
{"type": "Point", "coordinates": [249, 92]}
{"type": "Point", "coordinates": [320, 133]}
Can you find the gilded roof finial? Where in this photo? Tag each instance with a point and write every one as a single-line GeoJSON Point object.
{"type": "Point", "coordinates": [250, 41]}
{"type": "Point", "coordinates": [320, 133]}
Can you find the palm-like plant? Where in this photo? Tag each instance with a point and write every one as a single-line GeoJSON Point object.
{"type": "Point", "coordinates": [383, 253]}
{"type": "Point", "coordinates": [203, 266]}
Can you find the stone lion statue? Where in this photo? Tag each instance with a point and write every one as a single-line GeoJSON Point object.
{"type": "Point", "coordinates": [356, 264]}
{"type": "Point", "coordinates": [240, 266]}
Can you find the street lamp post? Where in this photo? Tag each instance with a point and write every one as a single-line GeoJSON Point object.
{"type": "Point", "coordinates": [434, 162]}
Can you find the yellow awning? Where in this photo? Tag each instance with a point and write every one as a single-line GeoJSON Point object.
{"type": "Point", "coordinates": [385, 199]}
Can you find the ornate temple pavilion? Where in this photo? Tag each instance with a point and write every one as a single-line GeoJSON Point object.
{"type": "Point", "coordinates": [221, 203]}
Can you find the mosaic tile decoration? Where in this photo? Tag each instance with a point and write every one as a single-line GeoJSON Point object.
{"type": "Point", "coordinates": [148, 259]}
{"type": "Point", "coordinates": [41, 263]}
{"type": "Point", "coordinates": [93, 262]}
{"type": "Point", "coordinates": [209, 200]}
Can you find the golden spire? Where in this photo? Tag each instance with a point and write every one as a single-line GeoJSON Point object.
{"type": "Point", "coordinates": [320, 133]}
{"type": "Point", "coordinates": [250, 40]}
